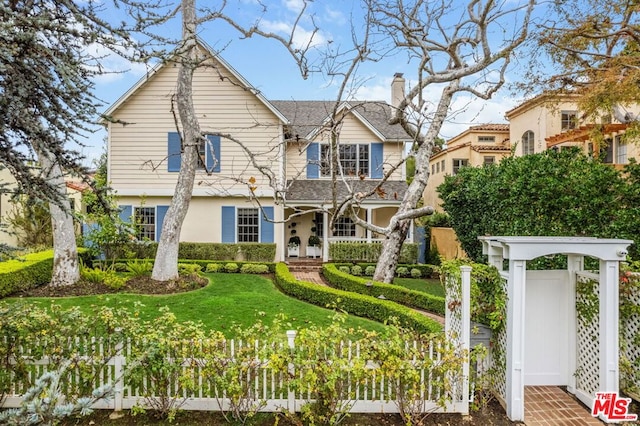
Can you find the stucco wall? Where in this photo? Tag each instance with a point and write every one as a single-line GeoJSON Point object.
{"type": "Point", "coordinates": [446, 241]}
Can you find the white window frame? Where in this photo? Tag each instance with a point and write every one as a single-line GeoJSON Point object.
{"type": "Point", "coordinates": [243, 234]}
{"type": "Point", "coordinates": [344, 227]}
{"type": "Point", "coordinates": [360, 162]}
{"type": "Point", "coordinates": [458, 163]}
{"type": "Point", "coordinates": [568, 120]}
{"type": "Point", "coordinates": [621, 150]}
{"type": "Point", "coordinates": [528, 142]}
{"type": "Point", "coordinates": [145, 225]}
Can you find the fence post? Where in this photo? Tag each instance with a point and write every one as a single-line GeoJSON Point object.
{"type": "Point", "coordinates": [118, 366]}
{"type": "Point", "coordinates": [466, 333]}
{"type": "Point", "coordinates": [291, 396]}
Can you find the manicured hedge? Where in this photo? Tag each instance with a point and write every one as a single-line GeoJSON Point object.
{"type": "Point", "coordinates": [353, 303]}
{"type": "Point", "coordinates": [29, 271]}
{"type": "Point", "coordinates": [405, 296]}
{"type": "Point", "coordinates": [369, 252]}
{"type": "Point", "coordinates": [202, 263]}
{"type": "Point", "coordinates": [426, 270]}
{"type": "Point", "coordinates": [253, 252]}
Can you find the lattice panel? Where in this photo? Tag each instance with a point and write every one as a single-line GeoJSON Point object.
{"type": "Point", "coordinates": [454, 327]}
{"type": "Point", "coordinates": [498, 355]}
{"type": "Point", "coordinates": [630, 334]}
{"type": "Point", "coordinates": [588, 370]}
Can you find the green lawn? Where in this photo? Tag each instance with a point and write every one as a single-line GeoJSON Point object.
{"type": "Point", "coordinates": [228, 299]}
{"type": "Point", "coordinates": [431, 286]}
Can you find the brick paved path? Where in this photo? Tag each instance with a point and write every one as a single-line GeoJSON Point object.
{"type": "Point", "coordinates": [551, 406]}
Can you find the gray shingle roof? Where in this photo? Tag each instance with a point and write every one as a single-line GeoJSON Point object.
{"type": "Point", "coordinates": [319, 190]}
{"type": "Point", "coordinates": [305, 116]}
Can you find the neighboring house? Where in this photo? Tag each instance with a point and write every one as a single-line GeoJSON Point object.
{"type": "Point", "coordinates": [287, 138]}
{"type": "Point", "coordinates": [551, 121]}
{"type": "Point", "coordinates": [478, 145]}
{"type": "Point", "coordinates": [9, 207]}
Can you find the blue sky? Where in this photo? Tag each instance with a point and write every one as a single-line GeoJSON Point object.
{"type": "Point", "coordinates": [269, 67]}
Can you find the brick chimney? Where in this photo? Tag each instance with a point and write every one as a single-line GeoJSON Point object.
{"type": "Point", "coordinates": [397, 89]}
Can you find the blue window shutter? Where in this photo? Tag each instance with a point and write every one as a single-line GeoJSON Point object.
{"type": "Point", "coordinates": [173, 152]}
{"type": "Point", "coordinates": [125, 213]}
{"type": "Point", "coordinates": [377, 159]}
{"type": "Point", "coordinates": [266, 227]}
{"type": "Point", "coordinates": [313, 155]}
{"type": "Point", "coordinates": [228, 224]}
{"type": "Point", "coordinates": [161, 212]}
{"type": "Point", "coordinates": [213, 151]}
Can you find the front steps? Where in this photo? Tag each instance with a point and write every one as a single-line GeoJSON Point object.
{"type": "Point", "coordinates": [304, 264]}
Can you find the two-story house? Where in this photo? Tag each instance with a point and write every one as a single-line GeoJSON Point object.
{"type": "Point", "coordinates": [478, 145]}
{"type": "Point", "coordinates": [553, 121]}
{"type": "Point", "coordinates": [280, 147]}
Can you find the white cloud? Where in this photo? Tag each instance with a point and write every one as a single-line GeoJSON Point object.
{"type": "Point", "coordinates": [294, 5]}
{"type": "Point", "coordinates": [113, 66]}
{"type": "Point", "coordinates": [301, 37]}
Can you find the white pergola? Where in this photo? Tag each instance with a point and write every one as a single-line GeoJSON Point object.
{"type": "Point", "coordinates": [517, 251]}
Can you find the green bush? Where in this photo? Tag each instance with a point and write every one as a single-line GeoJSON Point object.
{"type": "Point", "coordinates": [370, 270]}
{"type": "Point", "coordinates": [252, 252]}
{"type": "Point", "coordinates": [254, 268]}
{"type": "Point", "coordinates": [415, 273]}
{"type": "Point", "coordinates": [189, 268]}
{"type": "Point", "coordinates": [353, 303]}
{"type": "Point", "coordinates": [402, 272]}
{"type": "Point", "coordinates": [356, 270]}
{"type": "Point", "coordinates": [139, 268]}
{"type": "Point", "coordinates": [93, 275]}
{"type": "Point", "coordinates": [214, 267]}
{"type": "Point", "coordinates": [369, 252]}
{"type": "Point", "coordinates": [29, 271]}
{"type": "Point", "coordinates": [114, 281]}
{"type": "Point", "coordinates": [399, 294]}
{"type": "Point", "coordinates": [231, 267]}
{"type": "Point", "coordinates": [345, 269]}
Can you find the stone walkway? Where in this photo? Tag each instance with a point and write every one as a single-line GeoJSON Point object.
{"type": "Point", "coordinates": [552, 406]}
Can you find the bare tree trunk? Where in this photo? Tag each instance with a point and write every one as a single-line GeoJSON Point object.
{"type": "Point", "coordinates": [392, 245]}
{"type": "Point", "coordinates": [166, 263]}
{"type": "Point", "coordinates": [66, 269]}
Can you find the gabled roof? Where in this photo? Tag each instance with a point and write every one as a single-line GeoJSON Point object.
{"type": "Point", "coordinates": [308, 117]}
{"type": "Point", "coordinates": [214, 55]}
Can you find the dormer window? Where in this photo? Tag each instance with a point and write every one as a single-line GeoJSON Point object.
{"type": "Point", "coordinates": [354, 159]}
{"type": "Point", "coordinates": [569, 120]}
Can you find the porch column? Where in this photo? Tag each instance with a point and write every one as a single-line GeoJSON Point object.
{"type": "Point", "coordinates": [575, 264]}
{"type": "Point", "coordinates": [325, 237]}
{"type": "Point", "coordinates": [609, 341]}
{"type": "Point", "coordinates": [368, 231]}
{"type": "Point", "coordinates": [515, 339]}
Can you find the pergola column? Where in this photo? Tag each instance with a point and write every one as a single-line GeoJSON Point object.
{"type": "Point", "coordinates": [515, 339]}
{"type": "Point", "coordinates": [609, 339]}
{"type": "Point", "coordinates": [575, 264]}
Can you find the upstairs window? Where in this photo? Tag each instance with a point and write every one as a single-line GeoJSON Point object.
{"type": "Point", "coordinates": [457, 163]}
{"type": "Point", "coordinates": [569, 120]}
{"type": "Point", "coordinates": [353, 158]}
{"type": "Point", "coordinates": [486, 139]}
{"type": "Point", "coordinates": [621, 151]}
{"type": "Point", "coordinates": [528, 143]}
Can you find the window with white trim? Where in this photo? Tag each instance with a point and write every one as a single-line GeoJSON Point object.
{"type": "Point", "coordinates": [568, 120]}
{"type": "Point", "coordinates": [621, 150]}
{"type": "Point", "coordinates": [459, 162]}
{"type": "Point", "coordinates": [353, 158]}
{"type": "Point", "coordinates": [489, 159]}
{"type": "Point", "coordinates": [248, 221]}
{"type": "Point", "coordinates": [344, 227]}
{"type": "Point", "coordinates": [528, 143]}
{"type": "Point", "coordinates": [145, 220]}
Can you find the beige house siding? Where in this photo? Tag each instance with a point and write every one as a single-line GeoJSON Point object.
{"type": "Point", "coordinates": [138, 149]}
{"type": "Point", "coordinates": [461, 148]}
{"type": "Point", "coordinates": [203, 223]}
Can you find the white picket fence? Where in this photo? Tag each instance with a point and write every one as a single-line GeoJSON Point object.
{"type": "Point", "coordinates": [269, 390]}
